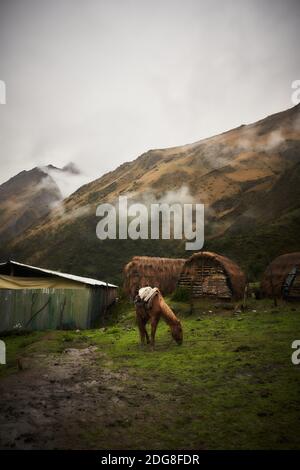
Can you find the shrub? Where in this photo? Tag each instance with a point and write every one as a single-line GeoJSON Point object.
{"type": "Point", "coordinates": [181, 294]}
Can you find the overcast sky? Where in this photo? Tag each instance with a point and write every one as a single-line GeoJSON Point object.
{"type": "Point", "coordinates": [98, 82]}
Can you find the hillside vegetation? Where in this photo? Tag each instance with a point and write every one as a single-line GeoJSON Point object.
{"type": "Point", "coordinates": [248, 178]}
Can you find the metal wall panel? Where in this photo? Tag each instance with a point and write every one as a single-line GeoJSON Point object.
{"type": "Point", "coordinates": [43, 309]}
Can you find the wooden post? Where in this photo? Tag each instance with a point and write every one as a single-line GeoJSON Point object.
{"type": "Point", "coordinates": [272, 288]}
{"type": "Point", "coordinates": [191, 299]}
{"type": "Point", "coordinates": [245, 296]}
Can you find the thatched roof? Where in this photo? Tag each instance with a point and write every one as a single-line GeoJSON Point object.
{"type": "Point", "coordinates": [276, 273]}
{"type": "Point", "coordinates": [144, 271]}
{"type": "Point", "coordinates": [236, 277]}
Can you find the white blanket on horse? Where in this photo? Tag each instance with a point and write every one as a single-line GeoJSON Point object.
{"type": "Point", "coordinates": [147, 293]}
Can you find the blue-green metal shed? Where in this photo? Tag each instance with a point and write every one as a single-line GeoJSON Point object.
{"type": "Point", "coordinates": [33, 298]}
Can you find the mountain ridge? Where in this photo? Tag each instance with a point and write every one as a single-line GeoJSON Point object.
{"type": "Point", "coordinates": [230, 173]}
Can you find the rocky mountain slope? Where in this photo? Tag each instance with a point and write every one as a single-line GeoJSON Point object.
{"type": "Point", "coordinates": [248, 178]}
{"type": "Point", "coordinates": [24, 199]}
{"type": "Point", "coordinates": [31, 195]}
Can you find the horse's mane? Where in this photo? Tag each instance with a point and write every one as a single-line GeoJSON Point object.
{"type": "Point", "coordinates": [167, 313]}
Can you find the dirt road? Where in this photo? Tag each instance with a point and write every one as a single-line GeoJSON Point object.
{"type": "Point", "coordinates": [56, 402]}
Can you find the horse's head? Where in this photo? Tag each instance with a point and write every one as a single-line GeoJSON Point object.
{"type": "Point", "coordinates": [177, 332]}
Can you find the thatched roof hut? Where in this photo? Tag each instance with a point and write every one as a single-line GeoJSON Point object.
{"type": "Point", "coordinates": [212, 275]}
{"type": "Point", "coordinates": [282, 277]}
{"type": "Point", "coordinates": [144, 271]}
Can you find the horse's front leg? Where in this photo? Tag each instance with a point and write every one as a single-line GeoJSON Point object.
{"type": "Point", "coordinates": [154, 323]}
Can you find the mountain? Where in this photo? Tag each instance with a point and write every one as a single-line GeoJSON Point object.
{"type": "Point", "coordinates": [29, 196]}
{"type": "Point", "coordinates": [248, 178]}
{"type": "Point", "coordinates": [24, 199]}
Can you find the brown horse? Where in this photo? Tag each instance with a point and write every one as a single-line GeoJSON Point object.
{"type": "Point", "coordinates": [158, 309]}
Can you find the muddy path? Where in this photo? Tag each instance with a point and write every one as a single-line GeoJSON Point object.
{"type": "Point", "coordinates": [58, 401]}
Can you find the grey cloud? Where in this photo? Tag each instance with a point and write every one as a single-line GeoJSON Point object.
{"type": "Point", "coordinates": [100, 82]}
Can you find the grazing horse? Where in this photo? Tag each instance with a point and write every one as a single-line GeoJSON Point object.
{"type": "Point", "coordinates": [153, 312]}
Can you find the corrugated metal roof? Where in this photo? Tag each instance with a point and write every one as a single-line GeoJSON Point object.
{"type": "Point", "coordinates": [82, 280]}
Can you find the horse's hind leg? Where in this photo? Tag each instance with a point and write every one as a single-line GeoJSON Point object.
{"type": "Point", "coordinates": [154, 323]}
{"type": "Point", "coordinates": [142, 330]}
{"type": "Point", "coordinates": [147, 336]}
{"type": "Point", "coordinates": [144, 335]}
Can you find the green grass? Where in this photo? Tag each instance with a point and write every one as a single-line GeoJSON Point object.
{"type": "Point", "coordinates": [230, 385]}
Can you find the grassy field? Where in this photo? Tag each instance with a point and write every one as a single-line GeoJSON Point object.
{"type": "Point", "coordinates": [231, 385]}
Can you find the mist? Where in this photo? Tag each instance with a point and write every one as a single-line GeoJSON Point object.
{"type": "Point", "coordinates": [66, 181]}
{"type": "Point", "coordinates": [98, 83]}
